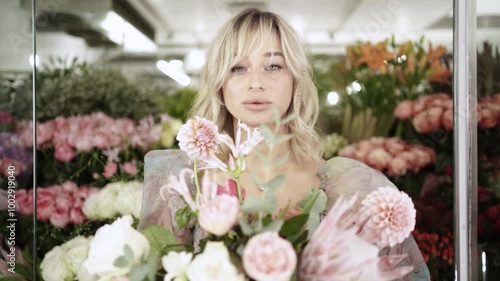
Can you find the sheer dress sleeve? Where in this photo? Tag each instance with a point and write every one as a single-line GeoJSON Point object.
{"type": "Point", "coordinates": [345, 176]}
{"type": "Point", "coordinates": [158, 166]}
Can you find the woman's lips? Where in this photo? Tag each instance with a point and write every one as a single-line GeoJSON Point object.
{"type": "Point", "coordinates": [257, 105]}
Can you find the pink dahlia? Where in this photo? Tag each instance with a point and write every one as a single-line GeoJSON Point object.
{"type": "Point", "coordinates": [392, 215]}
{"type": "Point", "coordinates": [199, 138]}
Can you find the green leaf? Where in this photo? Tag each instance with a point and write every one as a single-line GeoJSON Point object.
{"type": "Point", "coordinates": [274, 226]}
{"type": "Point", "coordinates": [281, 138]}
{"type": "Point", "coordinates": [183, 216]}
{"type": "Point", "coordinates": [267, 133]}
{"type": "Point", "coordinates": [160, 238]}
{"type": "Point", "coordinates": [138, 272]}
{"type": "Point", "coordinates": [281, 160]}
{"type": "Point", "coordinates": [294, 225]}
{"type": "Point", "coordinates": [263, 158]}
{"type": "Point", "coordinates": [253, 205]}
{"type": "Point", "coordinates": [276, 116]}
{"type": "Point", "coordinates": [246, 228]}
{"type": "Point", "coordinates": [272, 186]}
{"type": "Point", "coordinates": [255, 179]}
{"type": "Point", "coordinates": [25, 271]}
{"type": "Point", "coordinates": [152, 265]}
{"type": "Point", "coordinates": [121, 261]}
{"type": "Point", "coordinates": [288, 119]}
{"type": "Point", "coordinates": [128, 252]}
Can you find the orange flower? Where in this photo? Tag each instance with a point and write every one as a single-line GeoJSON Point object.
{"type": "Point", "coordinates": [375, 56]}
{"type": "Point", "coordinates": [435, 54]}
{"type": "Point", "coordinates": [404, 48]}
{"type": "Point", "coordinates": [439, 73]}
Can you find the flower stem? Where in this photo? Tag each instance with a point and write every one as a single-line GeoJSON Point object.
{"type": "Point", "coordinates": [238, 188]}
{"type": "Point", "coordinates": [196, 180]}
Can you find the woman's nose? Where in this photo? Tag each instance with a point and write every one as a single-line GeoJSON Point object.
{"type": "Point", "coordinates": [255, 81]}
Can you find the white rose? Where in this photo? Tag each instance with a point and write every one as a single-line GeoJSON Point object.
{"type": "Point", "coordinates": [76, 252]}
{"type": "Point", "coordinates": [108, 244]}
{"type": "Point", "coordinates": [53, 266]}
{"type": "Point", "coordinates": [128, 200]}
{"type": "Point", "coordinates": [101, 205]}
{"type": "Point", "coordinates": [213, 265]}
{"type": "Point", "coordinates": [175, 264]}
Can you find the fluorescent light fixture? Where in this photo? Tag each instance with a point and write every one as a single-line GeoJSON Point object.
{"type": "Point", "coordinates": [195, 60]}
{"type": "Point", "coordinates": [174, 73]}
{"type": "Point", "coordinates": [332, 98]}
{"type": "Point", "coordinates": [176, 64]}
{"type": "Point", "coordinates": [37, 60]}
{"type": "Point", "coordinates": [123, 33]}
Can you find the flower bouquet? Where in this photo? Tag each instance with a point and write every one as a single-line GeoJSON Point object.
{"type": "Point", "coordinates": [247, 238]}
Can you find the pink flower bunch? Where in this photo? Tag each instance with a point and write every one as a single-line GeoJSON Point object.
{"type": "Point", "coordinates": [83, 133]}
{"type": "Point", "coordinates": [5, 117]}
{"type": "Point", "coordinates": [391, 154]}
{"type": "Point", "coordinates": [432, 112]}
{"type": "Point", "coordinates": [59, 204]}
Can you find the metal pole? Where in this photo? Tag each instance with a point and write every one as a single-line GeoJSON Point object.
{"type": "Point", "coordinates": [33, 30]}
{"type": "Point", "coordinates": [465, 139]}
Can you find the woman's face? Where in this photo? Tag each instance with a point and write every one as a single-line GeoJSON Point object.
{"type": "Point", "coordinates": [257, 83]}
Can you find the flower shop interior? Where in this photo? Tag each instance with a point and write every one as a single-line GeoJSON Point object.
{"type": "Point", "coordinates": [116, 79]}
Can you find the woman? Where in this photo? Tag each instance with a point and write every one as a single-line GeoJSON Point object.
{"type": "Point", "coordinates": [257, 63]}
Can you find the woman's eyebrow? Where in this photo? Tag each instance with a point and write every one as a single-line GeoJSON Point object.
{"type": "Point", "coordinates": [271, 54]}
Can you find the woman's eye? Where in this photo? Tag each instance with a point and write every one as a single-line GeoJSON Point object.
{"type": "Point", "coordinates": [273, 67]}
{"type": "Point", "coordinates": [237, 68]}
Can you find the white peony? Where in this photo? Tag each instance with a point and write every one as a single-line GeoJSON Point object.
{"type": "Point", "coordinates": [175, 264]}
{"type": "Point", "coordinates": [213, 265]}
{"type": "Point", "coordinates": [128, 199]}
{"type": "Point", "coordinates": [53, 266]}
{"type": "Point", "coordinates": [108, 244]}
{"type": "Point", "coordinates": [76, 252]}
{"type": "Point", "coordinates": [101, 205]}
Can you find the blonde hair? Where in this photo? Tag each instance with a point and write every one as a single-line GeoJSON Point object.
{"type": "Point", "coordinates": [235, 40]}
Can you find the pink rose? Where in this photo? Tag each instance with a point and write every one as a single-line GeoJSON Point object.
{"type": "Point", "coordinates": [483, 195]}
{"type": "Point", "coordinates": [44, 132]}
{"type": "Point", "coordinates": [69, 186]}
{"type": "Point", "coordinates": [220, 214]}
{"type": "Point", "coordinates": [404, 110]}
{"type": "Point", "coordinates": [348, 151]}
{"type": "Point", "coordinates": [488, 118]}
{"type": "Point", "coordinates": [397, 167]}
{"type": "Point", "coordinates": [379, 158]}
{"type": "Point", "coordinates": [64, 152]}
{"type": "Point", "coordinates": [64, 202]}
{"type": "Point", "coordinates": [130, 168]}
{"type": "Point", "coordinates": [429, 120]}
{"type": "Point", "coordinates": [76, 216]}
{"type": "Point", "coordinates": [24, 201]}
{"type": "Point", "coordinates": [110, 169]}
{"type": "Point", "coordinates": [268, 257]}
{"type": "Point", "coordinates": [395, 146]}
{"type": "Point", "coordinates": [59, 218]}
{"type": "Point", "coordinates": [44, 208]}
{"type": "Point", "coordinates": [448, 119]}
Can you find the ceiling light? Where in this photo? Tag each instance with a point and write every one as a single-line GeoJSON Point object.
{"type": "Point", "coordinates": [174, 73]}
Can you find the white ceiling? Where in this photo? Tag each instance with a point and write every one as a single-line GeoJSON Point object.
{"type": "Point", "coordinates": [326, 26]}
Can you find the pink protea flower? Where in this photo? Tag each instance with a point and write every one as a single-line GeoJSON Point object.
{"type": "Point", "coordinates": [268, 257]}
{"type": "Point", "coordinates": [199, 138]}
{"type": "Point", "coordinates": [220, 214]}
{"type": "Point", "coordinates": [392, 213]}
{"type": "Point", "coordinates": [336, 253]}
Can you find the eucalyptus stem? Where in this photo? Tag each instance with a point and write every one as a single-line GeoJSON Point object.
{"type": "Point", "coordinates": [238, 188]}
{"type": "Point", "coordinates": [196, 180]}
